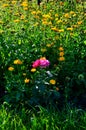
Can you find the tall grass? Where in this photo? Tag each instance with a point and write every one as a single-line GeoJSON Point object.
{"type": "Point", "coordinates": [67, 119]}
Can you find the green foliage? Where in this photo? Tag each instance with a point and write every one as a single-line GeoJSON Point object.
{"type": "Point", "coordinates": [57, 31]}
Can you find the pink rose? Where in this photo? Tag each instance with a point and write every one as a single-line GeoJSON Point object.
{"type": "Point", "coordinates": [44, 63]}
{"type": "Point", "coordinates": [36, 63]}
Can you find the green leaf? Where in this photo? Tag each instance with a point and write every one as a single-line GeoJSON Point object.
{"type": "Point", "coordinates": [85, 42]}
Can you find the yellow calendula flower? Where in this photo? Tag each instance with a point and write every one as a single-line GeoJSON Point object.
{"type": "Point", "coordinates": [5, 5]}
{"type": "Point", "coordinates": [22, 17]}
{"type": "Point", "coordinates": [25, 8]}
{"type": "Point", "coordinates": [10, 68]}
{"type": "Point", "coordinates": [19, 62]}
{"type": "Point", "coordinates": [72, 12]}
{"type": "Point", "coordinates": [61, 30]}
{"type": "Point", "coordinates": [46, 16]}
{"type": "Point", "coordinates": [66, 15]}
{"type": "Point", "coordinates": [45, 22]}
{"type": "Point", "coordinates": [33, 12]}
{"type": "Point", "coordinates": [61, 58]}
{"type": "Point", "coordinates": [52, 81]}
{"type": "Point", "coordinates": [56, 15]}
{"type": "Point", "coordinates": [24, 4]}
{"type": "Point", "coordinates": [80, 22]}
{"type": "Point", "coordinates": [70, 29]}
{"type": "Point", "coordinates": [33, 69]}
{"type": "Point", "coordinates": [27, 80]}
{"type": "Point", "coordinates": [75, 26]}
{"type": "Point", "coordinates": [54, 29]}
{"type": "Point", "coordinates": [16, 21]}
{"type": "Point", "coordinates": [59, 21]}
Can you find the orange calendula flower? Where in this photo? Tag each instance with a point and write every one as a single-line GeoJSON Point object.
{"type": "Point", "coordinates": [66, 15]}
{"type": "Point", "coordinates": [61, 53]}
{"type": "Point", "coordinates": [27, 80]}
{"type": "Point", "coordinates": [33, 69]}
{"type": "Point", "coordinates": [61, 58]}
{"type": "Point", "coordinates": [10, 68]}
{"type": "Point", "coordinates": [52, 81]}
{"type": "Point", "coordinates": [19, 62]}
{"type": "Point", "coordinates": [61, 48]}
{"type": "Point", "coordinates": [43, 58]}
